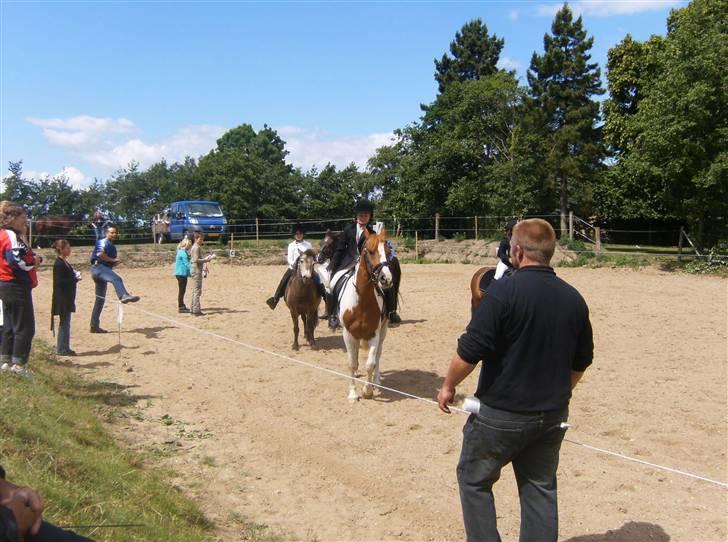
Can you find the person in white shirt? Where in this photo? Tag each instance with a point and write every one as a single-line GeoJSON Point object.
{"type": "Point", "coordinates": [295, 248]}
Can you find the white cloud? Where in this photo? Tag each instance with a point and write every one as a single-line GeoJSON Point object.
{"type": "Point", "coordinates": [80, 130]}
{"type": "Point", "coordinates": [316, 148]}
{"type": "Point", "coordinates": [76, 178]}
{"type": "Point", "coordinates": [188, 141]}
{"type": "Point", "coordinates": [505, 63]}
{"type": "Point", "coordinates": [608, 8]}
{"type": "Point", "coordinates": [513, 14]}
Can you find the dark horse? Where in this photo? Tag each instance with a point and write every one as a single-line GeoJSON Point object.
{"type": "Point", "coordinates": [479, 284]}
{"type": "Point", "coordinates": [303, 298]}
{"type": "Point", "coordinates": [48, 228]}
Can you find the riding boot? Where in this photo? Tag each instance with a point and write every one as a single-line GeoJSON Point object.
{"type": "Point", "coordinates": [280, 291]}
{"type": "Point", "coordinates": [390, 305]}
{"type": "Point", "coordinates": [333, 310]}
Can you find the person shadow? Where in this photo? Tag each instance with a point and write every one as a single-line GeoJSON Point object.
{"type": "Point", "coordinates": [149, 332]}
{"type": "Point", "coordinates": [413, 381]}
{"type": "Point", "coordinates": [329, 342]}
{"type": "Point", "coordinates": [631, 531]}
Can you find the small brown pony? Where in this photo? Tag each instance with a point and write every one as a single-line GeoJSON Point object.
{"type": "Point", "coordinates": [302, 298]}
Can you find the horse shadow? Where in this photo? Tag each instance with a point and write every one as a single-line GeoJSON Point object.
{"type": "Point", "coordinates": [630, 531]}
{"type": "Point", "coordinates": [223, 310]}
{"type": "Point", "coordinates": [107, 393]}
{"type": "Point", "coordinates": [406, 322]}
{"type": "Point", "coordinates": [149, 332]}
{"type": "Point", "coordinates": [92, 365]}
{"type": "Point", "coordinates": [414, 381]}
{"type": "Point", "coordinates": [330, 342]}
{"type": "Point", "coordinates": [116, 349]}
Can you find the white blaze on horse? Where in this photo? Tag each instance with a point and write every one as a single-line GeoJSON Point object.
{"type": "Point", "coordinates": [302, 298]}
{"type": "Point", "coordinates": [362, 312]}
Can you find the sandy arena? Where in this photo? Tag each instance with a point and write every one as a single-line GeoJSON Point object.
{"type": "Point", "coordinates": [279, 444]}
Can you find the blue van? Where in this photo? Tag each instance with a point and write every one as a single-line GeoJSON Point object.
{"type": "Point", "coordinates": [186, 217]}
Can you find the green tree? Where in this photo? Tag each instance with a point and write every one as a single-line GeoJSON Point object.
{"type": "Point", "coordinates": [474, 55]}
{"type": "Point", "coordinates": [248, 174]}
{"type": "Point", "coordinates": [562, 83]}
{"type": "Point", "coordinates": [15, 186]}
{"type": "Point", "coordinates": [674, 160]}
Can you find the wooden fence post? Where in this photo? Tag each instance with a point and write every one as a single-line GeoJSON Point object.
{"type": "Point", "coordinates": [257, 231]}
{"type": "Point", "coordinates": [598, 239]}
{"type": "Point", "coordinates": [30, 233]}
{"type": "Point", "coordinates": [476, 227]}
{"type": "Point", "coordinates": [417, 247]}
{"type": "Point", "coordinates": [437, 226]}
{"type": "Point", "coordinates": [571, 225]}
{"type": "Point", "coordinates": [680, 244]}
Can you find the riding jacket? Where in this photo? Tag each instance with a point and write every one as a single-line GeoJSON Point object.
{"type": "Point", "coordinates": [348, 246]}
{"type": "Point", "coordinates": [295, 249]}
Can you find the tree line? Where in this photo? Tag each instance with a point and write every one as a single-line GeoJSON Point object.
{"type": "Point", "coordinates": [654, 149]}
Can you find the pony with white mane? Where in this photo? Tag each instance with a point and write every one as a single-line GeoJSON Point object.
{"type": "Point", "coordinates": [302, 297]}
{"type": "Point", "coordinates": [362, 312]}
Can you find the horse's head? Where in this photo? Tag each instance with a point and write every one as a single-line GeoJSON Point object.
{"type": "Point", "coordinates": [376, 255]}
{"type": "Point", "coordinates": [305, 264]}
{"type": "Point", "coordinates": [327, 246]}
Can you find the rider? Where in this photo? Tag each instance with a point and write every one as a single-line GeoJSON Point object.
{"type": "Point", "coordinates": [504, 266]}
{"type": "Point", "coordinates": [295, 248]}
{"type": "Point", "coordinates": [346, 254]}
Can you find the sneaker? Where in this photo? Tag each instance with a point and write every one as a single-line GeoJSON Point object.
{"type": "Point", "coordinates": [20, 370]}
{"type": "Point", "coordinates": [126, 298]}
{"type": "Point", "coordinates": [271, 302]}
{"type": "Point", "coordinates": [183, 309]}
{"type": "Point", "coordinates": [95, 329]}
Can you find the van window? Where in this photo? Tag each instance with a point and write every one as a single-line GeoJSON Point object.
{"type": "Point", "coordinates": [204, 209]}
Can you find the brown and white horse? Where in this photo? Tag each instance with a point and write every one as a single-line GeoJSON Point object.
{"type": "Point", "coordinates": [302, 298]}
{"type": "Point", "coordinates": [362, 312]}
{"type": "Point", "coordinates": [479, 283]}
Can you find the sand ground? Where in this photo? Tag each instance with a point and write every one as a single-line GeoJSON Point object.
{"type": "Point", "coordinates": [256, 436]}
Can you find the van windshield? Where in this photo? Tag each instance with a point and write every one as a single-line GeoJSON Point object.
{"type": "Point", "coordinates": [204, 209]}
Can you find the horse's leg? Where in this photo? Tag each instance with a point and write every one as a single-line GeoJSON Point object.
{"type": "Point", "coordinates": [294, 317]}
{"type": "Point", "coordinates": [367, 391]}
{"type": "Point", "coordinates": [311, 323]}
{"type": "Point", "coordinates": [352, 352]}
{"type": "Point", "coordinates": [382, 334]}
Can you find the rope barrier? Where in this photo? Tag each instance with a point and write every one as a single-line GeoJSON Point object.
{"type": "Point", "coordinates": [409, 395]}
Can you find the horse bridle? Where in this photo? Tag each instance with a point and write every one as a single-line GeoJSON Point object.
{"type": "Point", "coordinates": [374, 271]}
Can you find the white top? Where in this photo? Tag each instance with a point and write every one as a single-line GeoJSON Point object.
{"type": "Point", "coordinates": [295, 249]}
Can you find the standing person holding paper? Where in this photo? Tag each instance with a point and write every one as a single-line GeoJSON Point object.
{"type": "Point", "coordinates": [198, 269]}
{"type": "Point", "coordinates": [533, 334]}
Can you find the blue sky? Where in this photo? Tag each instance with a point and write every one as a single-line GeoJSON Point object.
{"type": "Point", "coordinates": [89, 86]}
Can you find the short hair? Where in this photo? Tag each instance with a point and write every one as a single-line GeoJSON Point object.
{"type": "Point", "coordinates": [9, 211]}
{"type": "Point", "coordinates": [537, 239]}
{"type": "Point", "coordinates": [111, 227]}
{"type": "Point", "coordinates": [198, 235]}
{"type": "Point", "coordinates": [59, 245]}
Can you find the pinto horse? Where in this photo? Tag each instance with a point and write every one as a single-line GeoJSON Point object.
{"type": "Point", "coordinates": [302, 298]}
{"type": "Point", "coordinates": [362, 312]}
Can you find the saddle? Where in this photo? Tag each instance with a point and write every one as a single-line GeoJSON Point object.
{"type": "Point", "coordinates": [337, 288]}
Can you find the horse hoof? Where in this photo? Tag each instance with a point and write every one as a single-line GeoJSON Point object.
{"type": "Point", "coordinates": [313, 346]}
{"type": "Point", "coordinates": [367, 392]}
{"type": "Point", "coordinates": [353, 396]}
{"type": "Point", "coordinates": [295, 346]}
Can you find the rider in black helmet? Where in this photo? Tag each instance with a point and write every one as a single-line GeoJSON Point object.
{"type": "Point", "coordinates": [347, 251]}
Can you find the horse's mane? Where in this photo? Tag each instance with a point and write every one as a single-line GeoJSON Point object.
{"type": "Point", "coordinates": [310, 252]}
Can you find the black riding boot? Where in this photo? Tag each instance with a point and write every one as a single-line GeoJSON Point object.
{"type": "Point", "coordinates": [390, 305]}
{"type": "Point", "coordinates": [333, 309]}
{"type": "Point", "coordinates": [280, 291]}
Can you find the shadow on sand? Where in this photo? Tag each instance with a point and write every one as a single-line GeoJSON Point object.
{"type": "Point", "coordinates": [629, 532]}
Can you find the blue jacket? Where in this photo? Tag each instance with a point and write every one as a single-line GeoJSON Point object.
{"type": "Point", "coordinates": [182, 263]}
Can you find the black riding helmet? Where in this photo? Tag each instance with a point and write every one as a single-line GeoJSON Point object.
{"type": "Point", "coordinates": [365, 206]}
{"type": "Point", "coordinates": [510, 225]}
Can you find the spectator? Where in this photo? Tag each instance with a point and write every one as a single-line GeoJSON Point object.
{"type": "Point", "coordinates": [532, 333]}
{"type": "Point", "coordinates": [21, 510]}
{"type": "Point", "coordinates": [64, 296]}
{"type": "Point", "coordinates": [104, 258]}
{"type": "Point", "coordinates": [18, 276]}
{"type": "Point", "coordinates": [182, 271]}
{"type": "Point", "coordinates": [198, 261]}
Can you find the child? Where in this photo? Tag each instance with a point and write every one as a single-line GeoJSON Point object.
{"type": "Point", "coordinates": [182, 271]}
{"type": "Point", "coordinates": [504, 266]}
{"type": "Point", "coordinates": [64, 296]}
{"type": "Point", "coordinates": [295, 248]}
{"type": "Point", "coordinates": [198, 262]}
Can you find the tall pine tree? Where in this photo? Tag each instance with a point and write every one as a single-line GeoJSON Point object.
{"type": "Point", "coordinates": [562, 83]}
{"type": "Point", "coordinates": [474, 55]}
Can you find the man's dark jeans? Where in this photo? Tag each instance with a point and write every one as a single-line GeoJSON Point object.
{"type": "Point", "coordinates": [531, 441]}
{"type": "Point", "coordinates": [102, 275]}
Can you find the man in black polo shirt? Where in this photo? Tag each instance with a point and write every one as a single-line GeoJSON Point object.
{"type": "Point", "coordinates": [533, 334]}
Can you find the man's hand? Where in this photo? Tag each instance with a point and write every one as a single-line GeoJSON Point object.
{"type": "Point", "coordinates": [27, 507]}
{"type": "Point", "coordinates": [445, 396]}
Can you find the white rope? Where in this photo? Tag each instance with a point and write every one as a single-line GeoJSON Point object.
{"type": "Point", "coordinates": [410, 395]}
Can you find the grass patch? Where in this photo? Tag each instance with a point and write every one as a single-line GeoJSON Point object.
{"type": "Point", "coordinates": [52, 439]}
